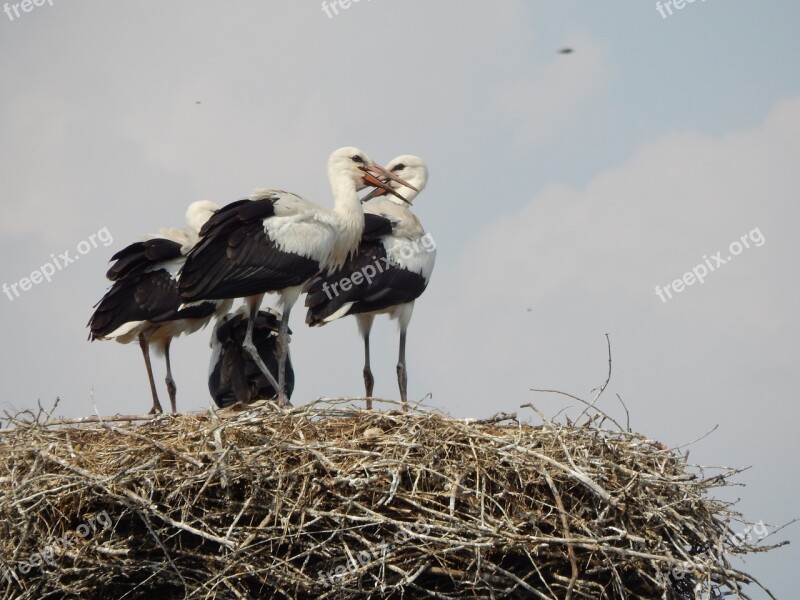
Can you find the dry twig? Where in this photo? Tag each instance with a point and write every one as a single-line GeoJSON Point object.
{"type": "Point", "coordinates": [330, 501]}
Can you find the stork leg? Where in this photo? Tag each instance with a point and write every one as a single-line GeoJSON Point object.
{"type": "Point", "coordinates": [288, 298]}
{"type": "Point", "coordinates": [251, 349]}
{"type": "Point", "coordinates": [144, 344]}
{"type": "Point", "coordinates": [402, 375]}
{"type": "Point", "coordinates": [369, 380]}
{"type": "Point", "coordinates": [172, 389]}
{"type": "Point", "coordinates": [283, 352]}
{"type": "Point", "coordinates": [365, 326]}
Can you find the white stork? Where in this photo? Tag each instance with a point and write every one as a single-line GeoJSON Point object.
{"type": "Point", "coordinates": [276, 241]}
{"type": "Point", "coordinates": [144, 302]}
{"type": "Point", "coordinates": [233, 376]}
{"type": "Point", "coordinates": [389, 272]}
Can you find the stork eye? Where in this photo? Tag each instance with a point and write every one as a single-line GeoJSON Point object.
{"type": "Point", "coordinates": [357, 158]}
{"type": "Point", "coordinates": [399, 167]}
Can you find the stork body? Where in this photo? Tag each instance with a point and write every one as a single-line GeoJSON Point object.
{"type": "Point", "coordinates": [144, 303]}
{"type": "Point", "coordinates": [275, 242]}
{"type": "Point", "coordinates": [390, 270]}
{"type": "Point", "coordinates": [233, 375]}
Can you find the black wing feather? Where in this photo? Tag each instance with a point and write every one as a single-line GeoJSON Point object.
{"type": "Point", "coordinates": [392, 285]}
{"type": "Point", "coordinates": [230, 215]}
{"type": "Point", "coordinates": [375, 227]}
{"type": "Point", "coordinates": [236, 258]}
{"type": "Point", "coordinates": [235, 377]}
{"type": "Point", "coordinates": [140, 256]}
{"type": "Point", "coordinates": [152, 296]}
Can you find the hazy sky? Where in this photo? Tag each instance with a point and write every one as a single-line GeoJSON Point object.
{"type": "Point", "coordinates": [564, 188]}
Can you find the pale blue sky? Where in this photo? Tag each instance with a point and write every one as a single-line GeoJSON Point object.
{"type": "Point", "coordinates": [570, 185]}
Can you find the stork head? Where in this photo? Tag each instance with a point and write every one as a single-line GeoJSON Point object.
{"type": "Point", "coordinates": [413, 170]}
{"type": "Point", "coordinates": [198, 213]}
{"type": "Point", "coordinates": [354, 164]}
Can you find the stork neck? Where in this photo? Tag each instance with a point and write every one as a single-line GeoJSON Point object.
{"type": "Point", "coordinates": [345, 197]}
{"type": "Point", "coordinates": [348, 208]}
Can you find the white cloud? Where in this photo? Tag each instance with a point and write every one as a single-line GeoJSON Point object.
{"type": "Point", "coordinates": [101, 128]}
{"type": "Point", "coordinates": [586, 261]}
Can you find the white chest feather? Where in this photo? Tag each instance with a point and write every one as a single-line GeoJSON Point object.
{"type": "Point", "coordinates": [408, 246]}
{"type": "Point", "coordinates": [417, 255]}
{"type": "Point", "coordinates": [306, 234]}
{"type": "Point", "coordinates": [309, 230]}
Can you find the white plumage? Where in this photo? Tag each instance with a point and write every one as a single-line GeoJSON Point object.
{"type": "Point", "coordinates": [399, 260]}
{"type": "Point", "coordinates": [277, 241]}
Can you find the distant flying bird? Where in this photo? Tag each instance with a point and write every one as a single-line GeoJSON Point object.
{"type": "Point", "coordinates": [233, 376]}
{"type": "Point", "coordinates": [275, 242]}
{"type": "Point", "coordinates": [566, 51]}
{"type": "Point", "coordinates": [388, 273]}
{"type": "Point", "coordinates": [144, 302]}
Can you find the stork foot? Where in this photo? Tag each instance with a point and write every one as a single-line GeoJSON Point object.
{"type": "Point", "coordinates": [283, 401]}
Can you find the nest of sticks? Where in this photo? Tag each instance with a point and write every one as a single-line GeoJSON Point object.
{"type": "Point", "coordinates": [331, 501]}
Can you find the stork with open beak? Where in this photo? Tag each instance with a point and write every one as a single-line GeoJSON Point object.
{"type": "Point", "coordinates": [390, 270]}
{"type": "Point", "coordinates": [276, 241]}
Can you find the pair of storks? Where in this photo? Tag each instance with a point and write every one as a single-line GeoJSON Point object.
{"type": "Point", "coordinates": [177, 281]}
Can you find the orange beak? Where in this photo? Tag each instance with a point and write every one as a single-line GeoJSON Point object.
{"type": "Point", "coordinates": [387, 173]}
{"type": "Point", "coordinates": [378, 192]}
{"type": "Point", "coordinates": [381, 189]}
{"type": "Point", "coordinates": [381, 186]}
